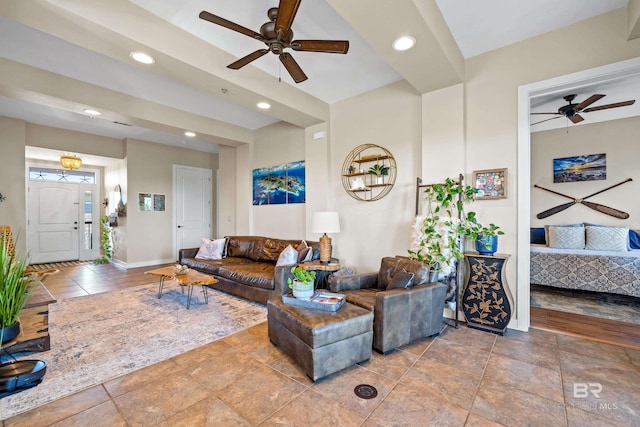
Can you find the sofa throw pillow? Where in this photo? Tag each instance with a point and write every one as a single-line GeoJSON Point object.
{"type": "Point", "coordinates": [211, 249]}
{"type": "Point", "coordinates": [289, 256]}
{"type": "Point", "coordinates": [402, 279]}
{"type": "Point", "coordinates": [588, 224]}
{"type": "Point", "coordinates": [607, 238]}
{"type": "Point", "coordinates": [565, 237]}
{"type": "Point", "coordinates": [303, 251]}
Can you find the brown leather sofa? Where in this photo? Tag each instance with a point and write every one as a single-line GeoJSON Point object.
{"type": "Point", "coordinates": [401, 316]}
{"type": "Point", "coordinates": [248, 268]}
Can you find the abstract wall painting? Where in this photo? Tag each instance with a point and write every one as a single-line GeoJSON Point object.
{"type": "Point", "coordinates": [590, 167]}
{"type": "Point", "coordinates": [281, 184]}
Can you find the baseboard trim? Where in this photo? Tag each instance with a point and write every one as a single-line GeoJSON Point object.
{"type": "Point", "coordinates": [148, 263]}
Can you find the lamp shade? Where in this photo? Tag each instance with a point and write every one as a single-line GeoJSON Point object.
{"type": "Point", "coordinates": [325, 222]}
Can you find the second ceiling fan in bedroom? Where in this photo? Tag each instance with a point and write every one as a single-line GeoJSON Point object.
{"type": "Point", "coordinates": [278, 36]}
{"type": "Point", "coordinates": [572, 111]}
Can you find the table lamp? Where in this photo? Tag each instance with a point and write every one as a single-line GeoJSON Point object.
{"type": "Point", "coordinates": [325, 222]}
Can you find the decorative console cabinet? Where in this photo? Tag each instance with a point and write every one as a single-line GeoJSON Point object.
{"type": "Point", "coordinates": [486, 300]}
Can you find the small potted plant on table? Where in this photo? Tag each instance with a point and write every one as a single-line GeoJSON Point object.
{"type": "Point", "coordinates": [302, 283]}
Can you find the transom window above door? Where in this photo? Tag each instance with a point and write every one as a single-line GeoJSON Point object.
{"type": "Point", "coordinates": [61, 175]}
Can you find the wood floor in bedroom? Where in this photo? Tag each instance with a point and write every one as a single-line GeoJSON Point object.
{"type": "Point", "coordinates": [597, 329]}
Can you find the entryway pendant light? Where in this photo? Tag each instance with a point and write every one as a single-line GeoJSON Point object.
{"type": "Point", "coordinates": [70, 162]}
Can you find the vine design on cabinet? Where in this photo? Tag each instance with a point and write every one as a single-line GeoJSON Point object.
{"type": "Point", "coordinates": [486, 300]}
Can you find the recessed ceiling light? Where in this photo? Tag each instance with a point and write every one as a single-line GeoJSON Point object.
{"type": "Point", "coordinates": [404, 43]}
{"type": "Point", "coordinates": [189, 134]}
{"type": "Point", "coordinates": [263, 105]}
{"type": "Point", "coordinates": [91, 112]}
{"type": "Point", "coordinates": [142, 57]}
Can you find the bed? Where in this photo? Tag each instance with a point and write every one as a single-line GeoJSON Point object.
{"type": "Point", "coordinates": [587, 270]}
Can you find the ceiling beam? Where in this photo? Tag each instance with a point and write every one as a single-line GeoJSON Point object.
{"type": "Point", "coordinates": [41, 87]}
{"type": "Point", "coordinates": [421, 19]}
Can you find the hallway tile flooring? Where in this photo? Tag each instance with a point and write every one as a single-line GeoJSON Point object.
{"type": "Point", "coordinates": [464, 377]}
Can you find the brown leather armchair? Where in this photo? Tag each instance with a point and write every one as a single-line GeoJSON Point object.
{"type": "Point", "coordinates": [401, 316]}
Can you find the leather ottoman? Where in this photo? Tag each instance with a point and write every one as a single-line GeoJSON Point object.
{"type": "Point", "coordinates": [321, 342]}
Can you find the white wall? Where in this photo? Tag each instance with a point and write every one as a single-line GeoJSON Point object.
{"type": "Point", "coordinates": [390, 117]}
{"type": "Point", "coordinates": [12, 180]}
{"type": "Point", "coordinates": [618, 139]}
{"type": "Point", "coordinates": [150, 235]}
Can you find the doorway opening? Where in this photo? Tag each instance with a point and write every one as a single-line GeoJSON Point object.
{"type": "Point", "coordinates": [526, 93]}
{"type": "Point", "coordinates": [63, 222]}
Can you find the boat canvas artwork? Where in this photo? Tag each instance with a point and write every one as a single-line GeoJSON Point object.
{"type": "Point", "coordinates": [590, 167]}
{"type": "Point", "coordinates": [281, 184]}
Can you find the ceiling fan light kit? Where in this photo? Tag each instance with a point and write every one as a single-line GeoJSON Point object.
{"type": "Point", "coordinates": [572, 111]}
{"type": "Point", "coordinates": [278, 36]}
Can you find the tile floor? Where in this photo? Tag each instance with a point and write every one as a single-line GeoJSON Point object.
{"type": "Point", "coordinates": [464, 377]}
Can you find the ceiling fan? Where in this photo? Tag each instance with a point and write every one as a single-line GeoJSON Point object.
{"type": "Point", "coordinates": [277, 35]}
{"type": "Point", "coordinates": [572, 111]}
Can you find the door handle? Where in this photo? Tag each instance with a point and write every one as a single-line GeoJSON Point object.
{"type": "Point", "coordinates": [75, 228]}
{"type": "Point", "coordinates": [179, 226]}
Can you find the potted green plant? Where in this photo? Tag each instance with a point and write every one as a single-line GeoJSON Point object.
{"type": "Point", "coordinates": [436, 235]}
{"type": "Point", "coordinates": [15, 288]}
{"type": "Point", "coordinates": [379, 170]}
{"type": "Point", "coordinates": [302, 283]}
{"type": "Point", "coordinates": [485, 237]}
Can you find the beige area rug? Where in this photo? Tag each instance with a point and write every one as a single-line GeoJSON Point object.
{"type": "Point", "coordinates": [622, 308]}
{"type": "Point", "coordinates": [99, 337]}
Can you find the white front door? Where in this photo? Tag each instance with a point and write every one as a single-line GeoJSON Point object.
{"type": "Point", "coordinates": [193, 190]}
{"type": "Point", "coordinates": [53, 222]}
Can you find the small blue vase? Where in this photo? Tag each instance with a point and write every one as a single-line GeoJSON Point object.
{"type": "Point", "coordinates": [487, 245]}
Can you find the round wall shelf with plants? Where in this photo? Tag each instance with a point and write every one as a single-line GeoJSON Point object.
{"type": "Point", "coordinates": [369, 172]}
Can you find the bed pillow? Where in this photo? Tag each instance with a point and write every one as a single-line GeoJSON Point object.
{"type": "Point", "coordinates": [537, 236]}
{"type": "Point", "coordinates": [636, 236]}
{"type": "Point", "coordinates": [211, 249]}
{"type": "Point", "coordinates": [561, 237]}
{"type": "Point", "coordinates": [546, 230]}
{"type": "Point", "coordinates": [634, 239]}
{"type": "Point", "coordinates": [607, 238]}
{"type": "Point", "coordinates": [289, 256]}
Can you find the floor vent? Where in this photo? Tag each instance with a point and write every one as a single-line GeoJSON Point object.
{"type": "Point", "coordinates": [365, 391]}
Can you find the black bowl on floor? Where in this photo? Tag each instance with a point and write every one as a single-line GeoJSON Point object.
{"type": "Point", "coordinates": [21, 374]}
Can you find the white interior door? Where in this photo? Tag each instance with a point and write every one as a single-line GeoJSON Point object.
{"type": "Point", "coordinates": [193, 206]}
{"type": "Point", "coordinates": [53, 222]}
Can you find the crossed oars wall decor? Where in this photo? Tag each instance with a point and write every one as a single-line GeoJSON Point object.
{"type": "Point", "coordinates": [595, 206]}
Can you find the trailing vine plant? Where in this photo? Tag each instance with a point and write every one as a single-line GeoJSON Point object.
{"type": "Point", "coordinates": [437, 243]}
{"type": "Point", "coordinates": [105, 241]}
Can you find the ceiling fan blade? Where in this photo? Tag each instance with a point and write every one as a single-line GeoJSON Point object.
{"type": "Point", "coordinates": [577, 118]}
{"type": "Point", "coordinates": [546, 120]}
{"type": "Point", "coordinates": [590, 100]}
{"type": "Point", "coordinates": [605, 107]}
{"type": "Point", "coordinates": [286, 13]}
{"type": "Point", "coordinates": [251, 57]}
{"type": "Point", "coordinates": [548, 113]}
{"type": "Point", "coordinates": [328, 46]}
{"type": "Point", "coordinates": [230, 25]}
{"type": "Point", "coordinates": [293, 68]}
